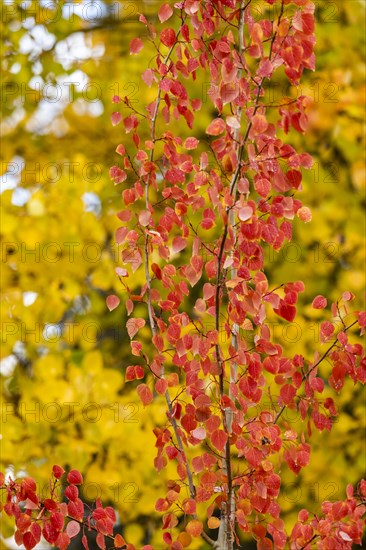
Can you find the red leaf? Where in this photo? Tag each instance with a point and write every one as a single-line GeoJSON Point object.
{"type": "Point", "coordinates": [129, 306]}
{"type": "Point", "coordinates": [191, 143]}
{"type": "Point", "coordinates": [36, 531]}
{"type": "Point", "coordinates": [57, 520]}
{"type": "Point", "coordinates": [117, 174]}
{"type": "Point", "coordinates": [158, 342]}
{"type": "Point", "coordinates": [338, 374]}
{"type": "Point", "coordinates": [116, 118]}
{"type": "Point", "coordinates": [28, 484]}
{"type": "Point", "coordinates": [208, 218]}
{"type": "Point", "coordinates": [213, 423]}
{"type": "Point", "coordinates": [161, 386]}
{"type": "Point", "coordinates": [317, 384]}
{"type": "Point", "coordinates": [112, 302]}
{"type": "Point", "coordinates": [286, 311]}
{"type": "Point", "coordinates": [73, 528]}
{"type": "Point", "coordinates": [216, 127]}
{"type": "Point", "coordinates": [189, 506]}
{"type": "Point", "coordinates": [174, 175]}
{"type": "Point", "coordinates": [265, 68]}
{"type": "Point", "coordinates": [145, 394]}
{"type": "Point", "coordinates": [304, 22]}
{"type": "Point", "coordinates": [50, 533]}
{"type": "Point", "coordinates": [29, 541]}
{"type": "Point", "coordinates": [167, 538]}
{"type": "Point", "coordinates": [135, 372]}
{"type": "Point", "coordinates": [245, 213]}
{"type": "Point", "coordinates": [298, 286]}
{"type": "Point", "coordinates": [264, 544]}
{"type": "Point", "coordinates": [179, 244]}
{"type": "Point", "coordinates": [262, 186]}
{"type": "Point", "coordinates": [121, 272]}
{"type": "Point", "coordinates": [194, 527]}
{"type": "Point", "coordinates": [157, 272]}
{"type": "Point", "coordinates": [133, 326]}
{"type": "Point", "coordinates": [165, 12]}
{"type": "Point", "coordinates": [72, 492]}
{"type": "Point", "coordinates": [304, 213]}
{"type": "Point", "coordinates": [75, 509]}
{"type": "Point", "coordinates": [50, 504]}
{"type": "Point", "coordinates": [303, 515]}
{"type": "Point", "coordinates": [119, 541]}
{"type": "Point", "coordinates": [75, 477]}
{"type": "Point", "coordinates": [145, 218]}
{"type": "Point", "coordinates": [259, 123]}
{"type": "Point", "coordinates": [253, 456]}
{"type": "Point", "coordinates": [321, 422]}
{"type": "Point", "coordinates": [295, 177]}
{"type": "Point", "coordinates": [31, 502]}
{"type": "Point", "coordinates": [63, 541]}
{"type": "Point", "coordinates": [148, 77]}
{"type": "Point", "coordinates": [161, 505]}
{"type": "Point", "coordinates": [326, 331]}
{"type": "Point", "coordinates": [100, 541]}
{"type": "Point", "coordinates": [84, 541]}
{"type": "Point", "coordinates": [219, 439]}
{"type": "Point", "coordinates": [319, 302]}
{"type": "Point", "coordinates": [168, 37]}
{"type": "Point", "coordinates": [199, 433]}
{"type": "Point", "coordinates": [136, 45]}
{"type": "Point", "coordinates": [57, 471]}
{"type": "Point", "coordinates": [120, 150]}
{"type": "Point", "coordinates": [347, 296]}
{"type": "Point", "coordinates": [287, 393]}
{"type": "Point", "coordinates": [188, 422]}
{"type": "Point", "coordinates": [136, 348]}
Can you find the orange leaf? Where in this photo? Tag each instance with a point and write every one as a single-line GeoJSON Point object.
{"type": "Point", "coordinates": [133, 326]}
{"type": "Point", "coordinates": [219, 438]}
{"type": "Point", "coordinates": [194, 527]}
{"type": "Point", "coordinates": [216, 127]}
{"type": "Point", "coordinates": [189, 506]}
{"type": "Point", "coordinates": [161, 386]}
{"type": "Point", "coordinates": [184, 539]}
{"type": "Point", "coordinates": [213, 523]}
{"type": "Point", "coordinates": [264, 544]}
{"type": "Point", "coordinates": [145, 394]}
{"type": "Point", "coordinates": [119, 541]}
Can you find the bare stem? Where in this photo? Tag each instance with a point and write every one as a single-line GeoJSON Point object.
{"type": "Point", "coordinates": [226, 534]}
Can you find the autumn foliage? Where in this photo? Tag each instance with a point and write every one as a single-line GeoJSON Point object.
{"type": "Point", "coordinates": [197, 214]}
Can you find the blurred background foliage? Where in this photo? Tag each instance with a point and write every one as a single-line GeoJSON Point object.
{"type": "Point", "coordinates": [63, 355]}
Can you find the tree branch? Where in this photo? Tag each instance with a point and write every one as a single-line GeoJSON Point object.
{"type": "Point", "coordinates": [314, 366]}
{"type": "Point", "coordinates": [154, 330]}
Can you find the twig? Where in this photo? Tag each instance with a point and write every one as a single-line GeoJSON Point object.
{"type": "Point", "coordinates": [306, 375]}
